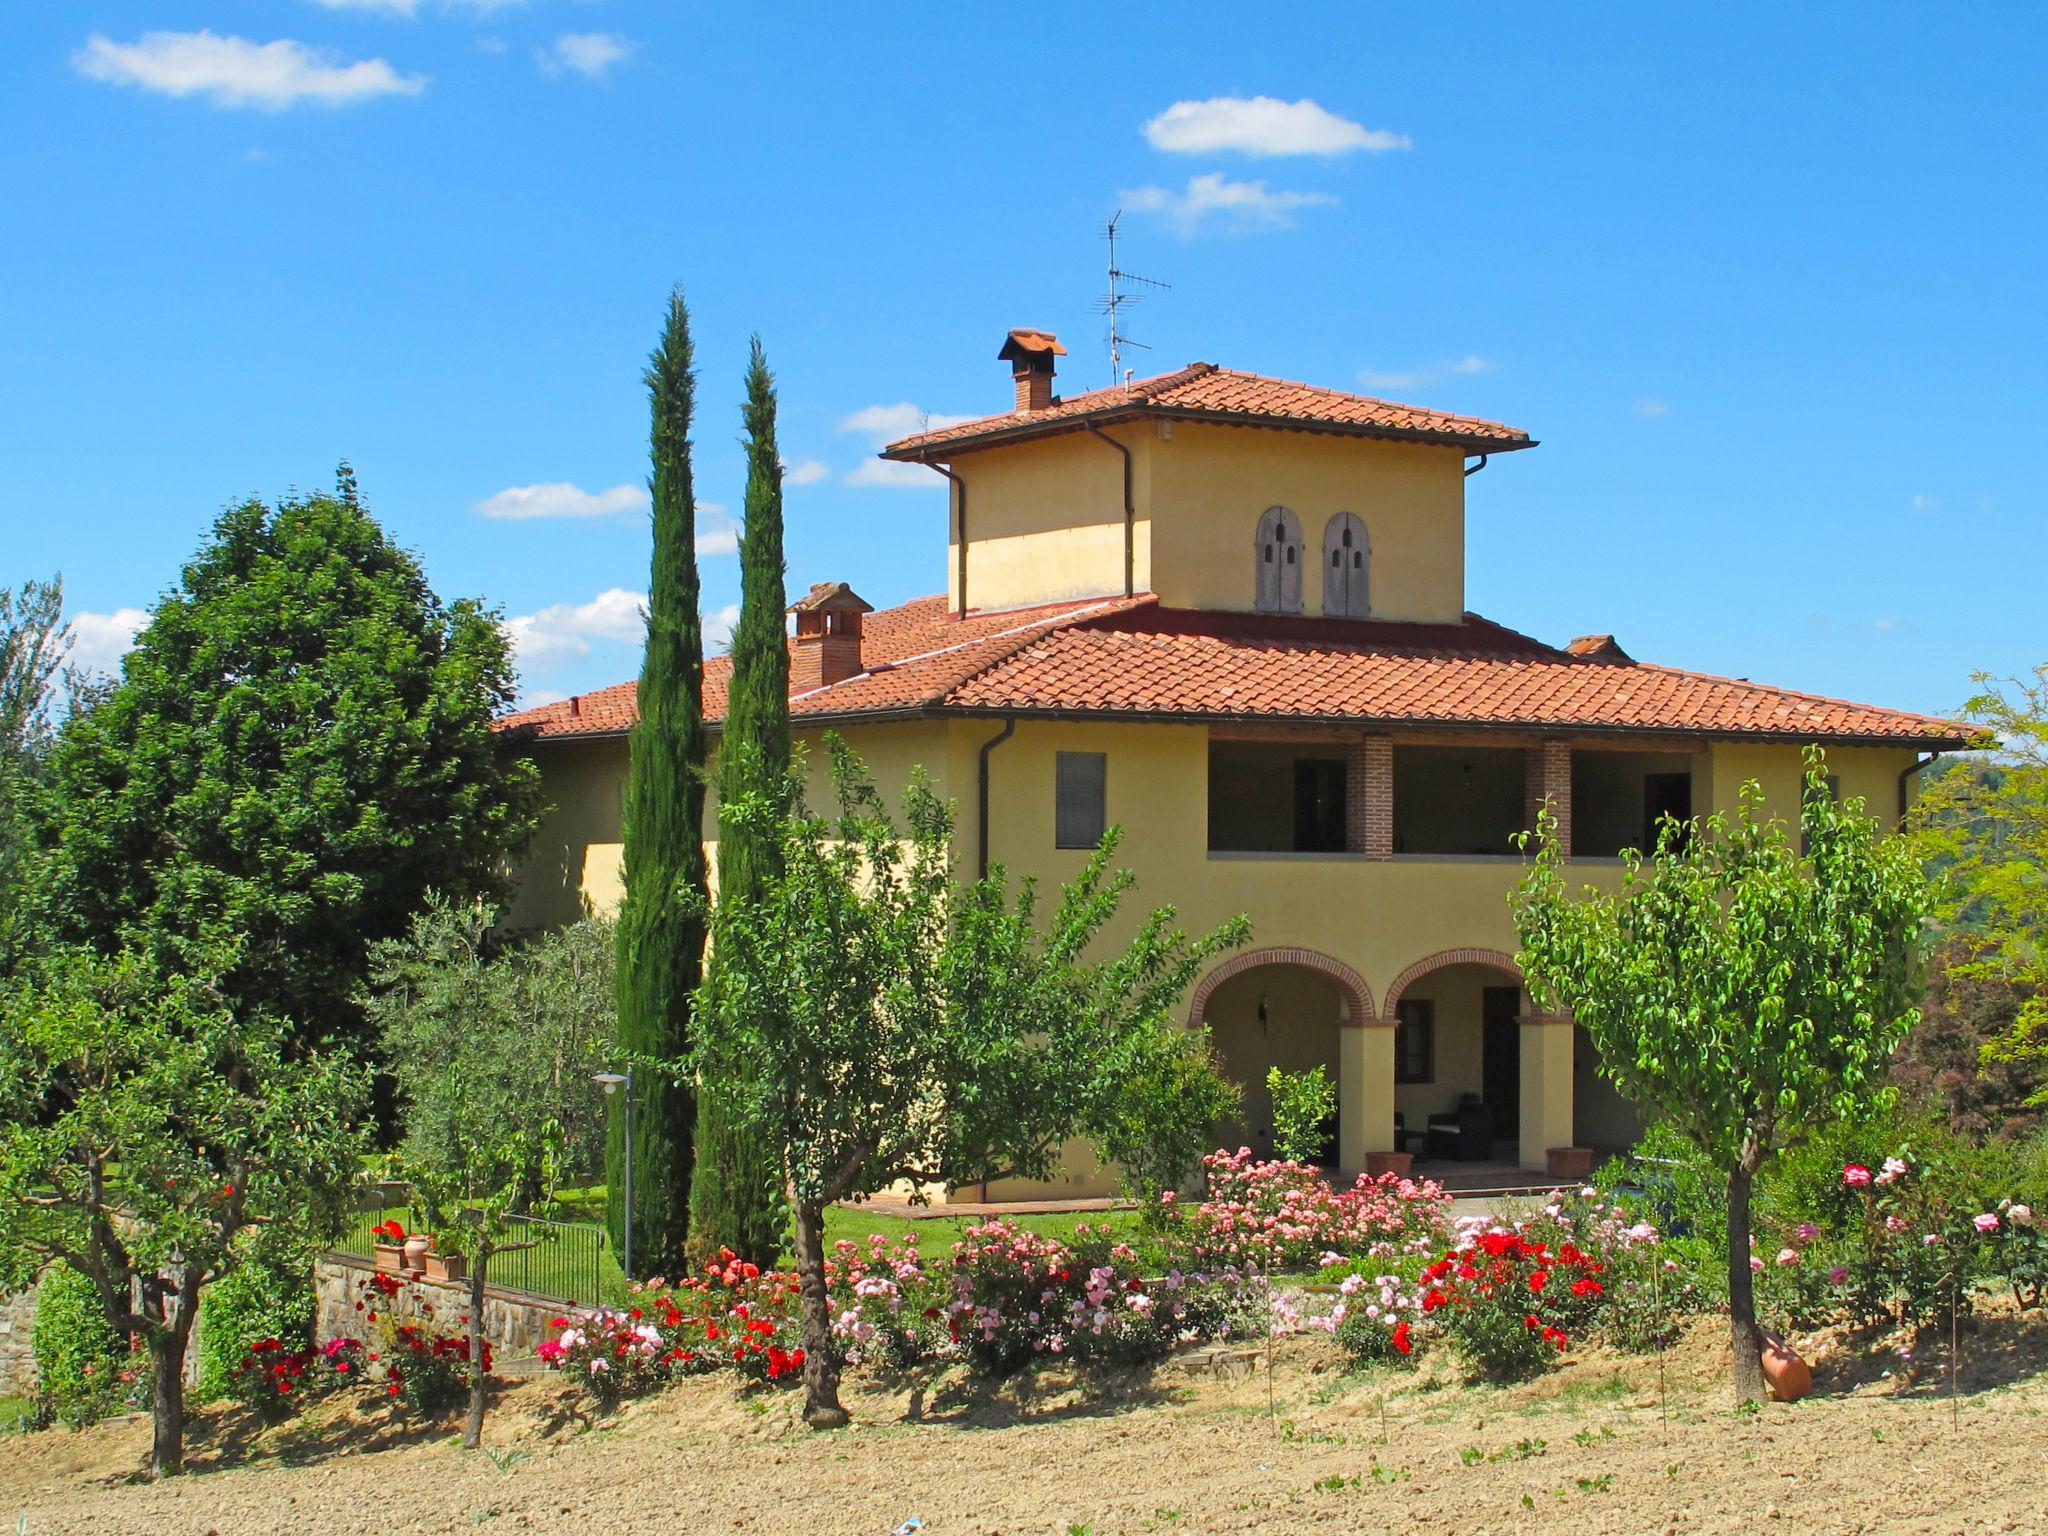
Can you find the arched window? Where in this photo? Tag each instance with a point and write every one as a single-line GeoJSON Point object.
{"type": "Point", "coordinates": [1278, 551]}
{"type": "Point", "coordinates": [1347, 568]}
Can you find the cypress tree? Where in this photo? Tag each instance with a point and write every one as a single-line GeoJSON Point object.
{"type": "Point", "coordinates": [736, 1198]}
{"type": "Point", "coordinates": [661, 920]}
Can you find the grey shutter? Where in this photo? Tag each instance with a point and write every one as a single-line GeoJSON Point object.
{"type": "Point", "coordinates": [1081, 802]}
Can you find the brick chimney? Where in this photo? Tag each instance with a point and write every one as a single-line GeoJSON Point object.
{"type": "Point", "coordinates": [827, 644]}
{"type": "Point", "coordinates": [1029, 354]}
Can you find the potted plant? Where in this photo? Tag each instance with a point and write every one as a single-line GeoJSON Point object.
{"type": "Point", "coordinates": [416, 1246]}
{"type": "Point", "coordinates": [446, 1266]}
{"type": "Point", "coordinates": [389, 1249]}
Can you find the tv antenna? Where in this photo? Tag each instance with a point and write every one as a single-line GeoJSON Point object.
{"type": "Point", "coordinates": [1116, 301]}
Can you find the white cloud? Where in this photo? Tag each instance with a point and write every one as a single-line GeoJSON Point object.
{"type": "Point", "coordinates": [806, 472]}
{"type": "Point", "coordinates": [1652, 408]}
{"type": "Point", "coordinates": [718, 533]}
{"type": "Point", "coordinates": [490, 43]}
{"type": "Point", "coordinates": [1239, 205]}
{"type": "Point", "coordinates": [1413, 378]}
{"type": "Point", "coordinates": [234, 72]}
{"type": "Point", "coordinates": [563, 631]}
{"type": "Point", "coordinates": [382, 7]}
{"type": "Point", "coordinates": [1922, 502]}
{"type": "Point", "coordinates": [589, 54]}
{"type": "Point", "coordinates": [560, 498]}
{"type": "Point", "coordinates": [1263, 125]}
{"type": "Point", "coordinates": [98, 640]}
{"type": "Point", "coordinates": [718, 627]}
{"type": "Point", "coordinates": [882, 425]}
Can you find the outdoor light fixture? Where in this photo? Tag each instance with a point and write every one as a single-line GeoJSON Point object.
{"type": "Point", "coordinates": [611, 1082]}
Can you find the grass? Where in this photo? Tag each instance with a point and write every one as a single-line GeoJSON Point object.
{"type": "Point", "coordinates": [936, 1233]}
{"type": "Point", "coordinates": [14, 1414]}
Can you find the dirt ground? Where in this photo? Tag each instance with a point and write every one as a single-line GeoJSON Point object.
{"type": "Point", "coordinates": [1202, 1444]}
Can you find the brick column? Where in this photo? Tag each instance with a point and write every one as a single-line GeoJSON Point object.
{"type": "Point", "coordinates": [1369, 797]}
{"type": "Point", "coordinates": [1547, 778]}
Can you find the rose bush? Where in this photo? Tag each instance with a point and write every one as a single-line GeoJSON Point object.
{"type": "Point", "coordinates": [1276, 1216]}
{"type": "Point", "coordinates": [1509, 1302]}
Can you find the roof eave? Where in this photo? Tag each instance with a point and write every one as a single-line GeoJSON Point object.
{"type": "Point", "coordinates": [920, 451]}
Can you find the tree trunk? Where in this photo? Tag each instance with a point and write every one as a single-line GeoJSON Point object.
{"type": "Point", "coordinates": [822, 1409]}
{"type": "Point", "coordinates": [167, 1401]}
{"type": "Point", "coordinates": [1745, 1339]}
{"type": "Point", "coordinates": [473, 1427]}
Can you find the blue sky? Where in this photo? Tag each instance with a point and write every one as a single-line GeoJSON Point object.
{"type": "Point", "coordinates": [1767, 282]}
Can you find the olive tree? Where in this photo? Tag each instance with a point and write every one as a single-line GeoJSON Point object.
{"type": "Point", "coordinates": [928, 1030]}
{"type": "Point", "coordinates": [1744, 986]}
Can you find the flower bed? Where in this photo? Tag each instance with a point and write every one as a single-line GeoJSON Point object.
{"type": "Point", "coordinates": [1279, 1216]}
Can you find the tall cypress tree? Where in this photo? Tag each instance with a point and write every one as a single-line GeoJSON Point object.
{"type": "Point", "coordinates": [736, 1196]}
{"type": "Point", "coordinates": [661, 921]}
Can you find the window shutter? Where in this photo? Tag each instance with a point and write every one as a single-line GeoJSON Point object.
{"type": "Point", "coordinates": [1081, 803]}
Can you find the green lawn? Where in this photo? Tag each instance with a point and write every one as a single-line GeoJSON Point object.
{"type": "Point", "coordinates": [14, 1412]}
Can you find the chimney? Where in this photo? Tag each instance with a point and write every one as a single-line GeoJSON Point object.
{"type": "Point", "coordinates": [826, 648]}
{"type": "Point", "coordinates": [1029, 354]}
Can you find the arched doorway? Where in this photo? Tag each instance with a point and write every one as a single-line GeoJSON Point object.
{"type": "Point", "coordinates": [1458, 1067]}
{"type": "Point", "coordinates": [1284, 1008]}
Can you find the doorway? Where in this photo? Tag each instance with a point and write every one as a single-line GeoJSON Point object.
{"type": "Point", "coordinates": [1500, 1013]}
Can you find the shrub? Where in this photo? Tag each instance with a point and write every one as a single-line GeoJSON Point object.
{"type": "Point", "coordinates": [1275, 1216]}
{"type": "Point", "coordinates": [259, 1299]}
{"type": "Point", "coordinates": [1377, 1319]}
{"type": "Point", "coordinates": [421, 1363]}
{"type": "Point", "coordinates": [1303, 1103]}
{"type": "Point", "coordinates": [84, 1372]}
{"type": "Point", "coordinates": [269, 1377]}
{"type": "Point", "coordinates": [1507, 1301]}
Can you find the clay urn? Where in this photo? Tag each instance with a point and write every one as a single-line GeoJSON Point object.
{"type": "Point", "coordinates": [1787, 1375]}
{"type": "Point", "coordinates": [416, 1247]}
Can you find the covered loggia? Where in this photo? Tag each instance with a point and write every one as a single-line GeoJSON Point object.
{"type": "Point", "coordinates": [1284, 1008]}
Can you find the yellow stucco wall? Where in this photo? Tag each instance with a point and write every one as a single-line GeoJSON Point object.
{"type": "Point", "coordinates": [1208, 486]}
{"type": "Point", "coordinates": [1045, 519]}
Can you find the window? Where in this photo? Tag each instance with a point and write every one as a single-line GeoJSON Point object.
{"type": "Point", "coordinates": [1345, 568]}
{"type": "Point", "coordinates": [1665, 795]}
{"type": "Point", "coordinates": [1415, 1040]}
{"type": "Point", "coordinates": [1276, 797]}
{"type": "Point", "coordinates": [1319, 804]}
{"type": "Point", "coordinates": [1278, 551]}
{"type": "Point", "coordinates": [1080, 802]}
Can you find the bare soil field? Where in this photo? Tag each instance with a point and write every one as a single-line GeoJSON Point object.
{"type": "Point", "coordinates": [1202, 1444]}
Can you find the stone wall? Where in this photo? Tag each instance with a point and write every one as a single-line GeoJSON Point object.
{"type": "Point", "coordinates": [17, 1348]}
{"type": "Point", "coordinates": [514, 1322]}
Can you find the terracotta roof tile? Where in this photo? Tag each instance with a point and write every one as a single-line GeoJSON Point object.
{"type": "Point", "coordinates": [1205, 391]}
{"type": "Point", "coordinates": [1132, 657]}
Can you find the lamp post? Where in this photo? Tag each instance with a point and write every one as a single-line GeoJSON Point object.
{"type": "Point", "coordinates": [611, 1083]}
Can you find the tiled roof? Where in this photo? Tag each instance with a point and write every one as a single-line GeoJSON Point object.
{"type": "Point", "coordinates": [1203, 391]}
{"type": "Point", "coordinates": [1130, 657]}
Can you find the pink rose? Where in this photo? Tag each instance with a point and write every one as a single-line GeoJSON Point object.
{"type": "Point", "coordinates": [1985, 1223]}
{"type": "Point", "coordinates": [1806, 1231]}
{"type": "Point", "coordinates": [1855, 1174]}
{"type": "Point", "coordinates": [1788, 1256]}
{"type": "Point", "coordinates": [1839, 1275]}
{"type": "Point", "coordinates": [1755, 1263]}
{"type": "Point", "coordinates": [1893, 1167]}
{"type": "Point", "coordinates": [1931, 1239]}
{"type": "Point", "coordinates": [2022, 1215]}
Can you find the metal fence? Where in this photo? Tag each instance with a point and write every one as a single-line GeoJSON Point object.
{"type": "Point", "coordinates": [566, 1262]}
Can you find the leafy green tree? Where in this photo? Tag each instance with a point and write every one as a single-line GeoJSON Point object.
{"type": "Point", "coordinates": [476, 1190]}
{"type": "Point", "coordinates": [298, 751]}
{"type": "Point", "coordinates": [661, 919]}
{"type": "Point", "coordinates": [1741, 991]}
{"type": "Point", "coordinates": [33, 646]}
{"type": "Point", "coordinates": [736, 1196]}
{"type": "Point", "coordinates": [1303, 1103]}
{"type": "Point", "coordinates": [881, 1022]}
{"type": "Point", "coordinates": [156, 1139]}
{"type": "Point", "coordinates": [485, 1034]}
{"type": "Point", "coordinates": [1983, 826]}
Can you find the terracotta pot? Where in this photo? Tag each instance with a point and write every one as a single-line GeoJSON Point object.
{"type": "Point", "coordinates": [388, 1256]}
{"type": "Point", "coordinates": [1785, 1373]}
{"type": "Point", "coordinates": [1396, 1163]}
{"type": "Point", "coordinates": [447, 1266]}
{"type": "Point", "coordinates": [416, 1247]}
{"type": "Point", "coordinates": [1569, 1162]}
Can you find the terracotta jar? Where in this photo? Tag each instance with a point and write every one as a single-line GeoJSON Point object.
{"type": "Point", "coordinates": [416, 1247]}
{"type": "Point", "coordinates": [1785, 1373]}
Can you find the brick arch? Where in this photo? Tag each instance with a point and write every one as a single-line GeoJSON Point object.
{"type": "Point", "coordinates": [1492, 958]}
{"type": "Point", "coordinates": [1356, 992]}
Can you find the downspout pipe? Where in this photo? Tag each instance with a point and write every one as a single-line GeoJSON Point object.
{"type": "Point", "coordinates": [960, 531]}
{"type": "Point", "coordinates": [1130, 512]}
{"type": "Point", "coordinates": [981, 846]}
{"type": "Point", "coordinates": [1907, 774]}
{"type": "Point", "coordinates": [1474, 469]}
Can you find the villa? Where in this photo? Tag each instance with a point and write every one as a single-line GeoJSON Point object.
{"type": "Point", "coordinates": [1227, 613]}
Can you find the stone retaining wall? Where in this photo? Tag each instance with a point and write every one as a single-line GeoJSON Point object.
{"type": "Point", "coordinates": [514, 1322]}
{"type": "Point", "coordinates": [17, 1347]}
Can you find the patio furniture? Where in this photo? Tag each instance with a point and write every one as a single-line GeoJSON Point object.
{"type": "Point", "coordinates": [1464, 1134]}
